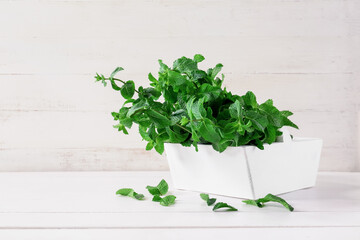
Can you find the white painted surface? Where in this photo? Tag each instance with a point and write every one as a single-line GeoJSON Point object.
{"type": "Point", "coordinates": [303, 54]}
{"type": "Point", "coordinates": [244, 171]}
{"type": "Point", "coordinates": [84, 205]}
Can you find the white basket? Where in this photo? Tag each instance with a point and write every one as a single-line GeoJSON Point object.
{"type": "Point", "coordinates": [246, 172]}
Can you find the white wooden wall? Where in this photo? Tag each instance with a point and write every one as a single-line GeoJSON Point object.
{"type": "Point", "coordinates": [303, 54]}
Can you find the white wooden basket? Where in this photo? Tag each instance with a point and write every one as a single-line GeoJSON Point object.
{"type": "Point", "coordinates": [246, 172]}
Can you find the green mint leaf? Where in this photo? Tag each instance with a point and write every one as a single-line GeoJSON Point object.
{"type": "Point", "coordinates": [211, 201]}
{"type": "Point", "coordinates": [113, 84]}
{"type": "Point", "coordinates": [125, 191]}
{"type": "Point", "coordinates": [254, 202]}
{"type": "Point", "coordinates": [286, 113]}
{"type": "Point", "coordinates": [152, 79]}
{"type": "Point", "coordinates": [168, 200]}
{"type": "Point", "coordinates": [120, 127]}
{"type": "Point", "coordinates": [216, 70]}
{"type": "Point", "coordinates": [269, 198]}
{"type": "Point", "coordinates": [198, 110]}
{"type": "Point", "coordinates": [153, 190]}
{"type": "Point", "coordinates": [198, 58]}
{"type": "Point", "coordinates": [236, 110]}
{"type": "Point", "coordinates": [156, 198]}
{"type": "Point", "coordinates": [259, 121]}
{"type": "Point", "coordinates": [149, 146]}
{"type": "Point", "coordinates": [273, 198]}
{"type": "Point", "coordinates": [184, 121]}
{"type": "Point", "coordinates": [128, 89]}
{"type": "Point", "coordinates": [163, 67]}
{"type": "Point", "coordinates": [288, 122]}
{"type": "Point", "coordinates": [138, 196]}
{"type": "Point", "coordinates": [207, 199]}
{"type": "Point", "coordinates": [118, 69]}
{"type": "Point", "coordinates": [129, 192]}
{"type": "Point", "coordinates": [250, 99]}
{"type": "Point", "coordinates": [204, 196]}
{"type": "Point", "coordinates": [185, 65]}
{"type": "Point", "coordinates": [159, 146]}
{"type": "Point", "coordinates": [158, 118]}
{"type": "Point", "coordinates": [222, 205]}
{"type": "Point", "coordinates": [137, 107]}
{"type": "Point", "coordinates": [208, 131]}
{"type": "Point", "coordinates": [176, 79]}
{"type": "Point", "coordinates": [161, 189]}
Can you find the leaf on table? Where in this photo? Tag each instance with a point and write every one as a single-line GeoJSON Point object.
{"type": "Point", "coordinates": [222, 205]}
{"type": "Point", "coordinates": [209, 201]}
{"type": "Point", "coordinates": [153, 190]}
{"type": "Point", "coordinates": [129, 192]}
{"type": "Point", "coordinates": [254, 202]}
{"type": "Point", "coordinates": [168, 200]}
{"type": "Point", "coordinates": [156, 198]}
{"type": "Point", "coordinates": [161, 189]}
{"type": "Point", "coordinates": [269, 198]}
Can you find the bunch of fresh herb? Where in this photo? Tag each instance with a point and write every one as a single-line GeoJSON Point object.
{"type": "Point", "coordinates": [194, 108]}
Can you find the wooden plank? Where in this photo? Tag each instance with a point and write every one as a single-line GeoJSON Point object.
{"type": "Point", "coordinates": [255, 36]}
{"type": "Point", "coordinates": [119, 159]}
{"type": "Point", "coordinates": [297, 92]}
{"type": "Point", "coordinates": [247, 54]}
{"type": "Point", "coordinates": [87, 140]}
{"type": "Point", "coordinates": [91, 193]}
{"type": "Point", "coordinates": [349, 233]}
{"type": "Point", "coordinates": [210, 18]}
{"type": "Point", "coordinates": [95, 129]}
{"type": "Point", "coordinates": [174, 220]}
{"type": "Point", "coordinates": [83, 205]}
{"type": "Point", "coordinates": [81, 159]}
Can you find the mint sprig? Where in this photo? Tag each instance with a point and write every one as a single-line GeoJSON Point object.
{"type": "Point", "coordinates": [269, 198]}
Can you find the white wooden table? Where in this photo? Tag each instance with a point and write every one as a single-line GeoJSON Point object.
{"type": "Point", "coordinates": [83, 205]}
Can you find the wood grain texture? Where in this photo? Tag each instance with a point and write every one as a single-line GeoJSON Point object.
{"type": "Point", "coordinates": [303, 54]}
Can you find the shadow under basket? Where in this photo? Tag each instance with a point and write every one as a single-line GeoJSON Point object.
{"type": "Point", "coordinates": [246, 171]}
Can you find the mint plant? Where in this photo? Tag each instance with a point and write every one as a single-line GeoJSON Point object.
{"type": "Point", "coordinates": [187, 105]}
